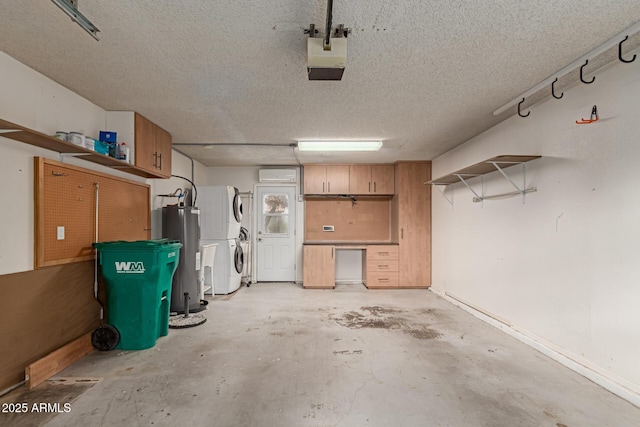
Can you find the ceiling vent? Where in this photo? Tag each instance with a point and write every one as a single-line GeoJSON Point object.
{"type": "Point", "coordinates": [277, 175]}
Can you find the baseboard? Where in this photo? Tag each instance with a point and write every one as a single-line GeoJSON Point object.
{"type": "Point", "coordinates": [349, 282]}
{"type": "Point", "coordinates": [605, 379]}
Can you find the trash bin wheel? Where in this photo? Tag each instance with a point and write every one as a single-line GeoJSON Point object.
{"type": "Point", "coordinates": [105, 338]}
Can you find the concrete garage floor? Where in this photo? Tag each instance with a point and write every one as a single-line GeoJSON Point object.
{"type": "Point", "coordinates": [279, 355]}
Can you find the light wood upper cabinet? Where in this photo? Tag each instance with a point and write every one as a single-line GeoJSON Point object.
{"type": "Point", "coordinates": [152, 147]}
{"type": "Point", "coordinates": [349, 179]}
{"type": "Point", "coordinates": [382, 179]}
{"type": "Point", "coordinates": [371, 179]}
{"type": "Point", "coordinates": [326, 179]}
{"type": "Point", "coordinates": [337, 179]}
{"type": "Point", "coordinates": [144, 136]}
{"type": "Point", "coordinates": [359, 179]}
{"type": "Point", "coordinates": [163, 151]}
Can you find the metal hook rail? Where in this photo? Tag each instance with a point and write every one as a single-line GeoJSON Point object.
{"type": "Point", "coordinates": [614, 41]}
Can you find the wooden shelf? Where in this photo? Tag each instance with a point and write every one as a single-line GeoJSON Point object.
{"type": "Point", "coordinates": [38, 139]}
{"type": "Point", "coordinates": [498, 163]}
{"type": "Point", "coordinates": [482, 168]}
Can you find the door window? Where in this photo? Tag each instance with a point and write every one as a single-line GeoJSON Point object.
{"type": "Point", "coordinates": [275, 211]}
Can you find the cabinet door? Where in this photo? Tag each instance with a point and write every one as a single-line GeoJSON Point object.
{"type": "Point", "coordinates": [413, 200]}
{"type": "Point", "coordinates": [337, 179]}
{"type": "Point", "coordinates": [382, 179]}
{"type": "Point", "coordinates": [315, 179]}
{"type": "Point", "coordinates": [145, 135]}
{"type": "Point", "coordinates": [163, 151]}
{"type": "Point", "coordinates": [319, 268]}
{"type": "Point", "coordinates": [360, 179]}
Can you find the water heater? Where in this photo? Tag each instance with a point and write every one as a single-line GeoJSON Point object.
{"type": "Point", "coordinates": [183, 224]}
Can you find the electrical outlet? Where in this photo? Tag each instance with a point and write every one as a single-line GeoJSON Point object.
{"type": "Point", "coordinates": [61, 233]}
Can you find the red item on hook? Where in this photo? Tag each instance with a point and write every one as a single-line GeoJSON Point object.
{"type": "Point", "coordinates": [594, 117]}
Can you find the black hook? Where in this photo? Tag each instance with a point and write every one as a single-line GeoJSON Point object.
{"type": "Point", "coordinates": [553, 90]}
{"type": "Point", "coordinates": [519, 113]}
{"type": "Point", "coordinates": [582, 78]}
{"type": "Point", "coordinates": [620, 53]}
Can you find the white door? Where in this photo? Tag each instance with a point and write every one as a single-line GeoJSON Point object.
{"type": "Point", "coordinates": [275, 239]}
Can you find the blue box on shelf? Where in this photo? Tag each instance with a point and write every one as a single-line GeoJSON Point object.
{"type": "Point", "coordinates": [106, 136]}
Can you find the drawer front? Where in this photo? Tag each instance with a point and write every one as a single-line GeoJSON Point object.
{"type": "Point", "coordinates": [382, 265]}
{"type": "Point", "coordinates": [382, 252]}
{"type": "Point", "coordinates": [382, 279]}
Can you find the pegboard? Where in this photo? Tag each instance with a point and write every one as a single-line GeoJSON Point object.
{"type": "Point", "coordinates": [366, 220]}
{"type": "Point", "coordinates": [66, 197]}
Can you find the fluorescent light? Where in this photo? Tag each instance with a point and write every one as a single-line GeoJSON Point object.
{"type": "Point", "coordinates": [69, 7]}
{"type": "Point", "coordinates": [339, 145]}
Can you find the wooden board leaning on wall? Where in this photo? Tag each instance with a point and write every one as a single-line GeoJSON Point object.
{"type": "Point", "coordinates": [66, 197]}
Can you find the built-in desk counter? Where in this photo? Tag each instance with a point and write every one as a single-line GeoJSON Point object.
{"type": "Point", "coordinates": [380, 266]}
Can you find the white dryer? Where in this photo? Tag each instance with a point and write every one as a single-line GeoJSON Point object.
{"type": "Point", "coordinates": [221, 212]}
{"type": "Point", "coordinates": [227, 266]}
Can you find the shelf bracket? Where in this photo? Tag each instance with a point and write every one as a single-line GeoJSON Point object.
{"type": "Point", "coordinates": [461, 178]}
{"type": "Point", "coordinates": [450, 200]}
{"type": "Point", "coordinates": [524, 190]}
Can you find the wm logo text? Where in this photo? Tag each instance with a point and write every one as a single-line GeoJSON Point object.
{"type": "Point", "coordinates": [130, 267]}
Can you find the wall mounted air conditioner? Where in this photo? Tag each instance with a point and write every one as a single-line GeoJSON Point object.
{"type": "Point", "coordinates": [277, 175]}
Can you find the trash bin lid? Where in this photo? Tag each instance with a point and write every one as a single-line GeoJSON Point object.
{"type": "Point", "coordinates": [155, 244]}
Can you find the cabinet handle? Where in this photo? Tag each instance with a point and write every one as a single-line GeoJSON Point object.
{"type": "Point", "coordinates": [329, 187]}
{"type": "Point", "coordinates": [374, 187]}
{"type": "Point", "coordinates": [155, 159]}
{"type": "Point", "coordinates": [332, 249]}
{"type": "Point", "coordinates": [369, 187]}
{"type": "Point", "coordinates": [402, 233]}
{"type": "Point", "coordinates": [323, 187]}
{"type": "Point", "coordinates": [383, 279]}
{"type": "Point", "coordinates": [160, 155]}
{"type": "Point", "coordinates": [383, 253]}
{"type": "Point", "coordinates": [383, 266]}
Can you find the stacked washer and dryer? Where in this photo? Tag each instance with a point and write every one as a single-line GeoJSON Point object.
{"type": "Point", "coordinates": [220, 218]}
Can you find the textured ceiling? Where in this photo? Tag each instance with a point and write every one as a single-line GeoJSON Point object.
{"type": "Point", "coordinates": [422, 75]}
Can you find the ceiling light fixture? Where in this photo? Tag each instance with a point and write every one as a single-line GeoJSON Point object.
{"type": "Point", "coordinates": [70, 7]}
{"type": "Point", "coordinates": [339, 145]}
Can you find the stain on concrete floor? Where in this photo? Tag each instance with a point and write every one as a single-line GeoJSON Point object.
{"type": "Point", "coordinates": [377, 317]}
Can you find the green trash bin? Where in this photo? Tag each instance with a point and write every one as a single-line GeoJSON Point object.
{"type": "Point", "coordinates": [138, 278]}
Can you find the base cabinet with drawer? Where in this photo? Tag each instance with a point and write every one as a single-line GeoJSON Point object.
{"type": "Point", "coordinates": [381, 266]}
{"type": "Point", "coordinates": [319, 267]}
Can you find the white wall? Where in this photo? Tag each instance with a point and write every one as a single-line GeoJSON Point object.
{"type": "Point", "coordinates": [32, 100]}
{"type": "Point", "coordinates": [562, 268]}
{"type": "Point", "coordinates": [181, 166]}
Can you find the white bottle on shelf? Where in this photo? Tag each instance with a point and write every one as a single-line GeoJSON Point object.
{"type": "Point", "coordinates": [124, 150]}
